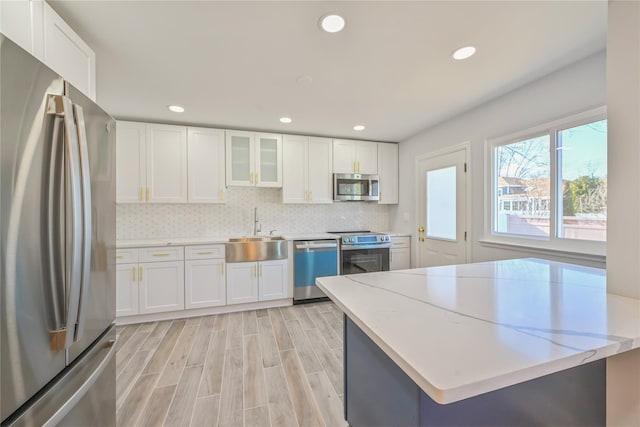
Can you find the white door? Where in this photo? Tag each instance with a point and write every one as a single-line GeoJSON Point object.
{"type": "Point", "coordinates": [205, 165]}
{"type": "Point", "coordinates": [161, 286]}
{"type": "Point", "coordinates": [204, 284]}
{"type": "Point", "coordinates": [294, 169]}
{"type": "Point", "coordinates": [126, 289]}
{"type": "Point", "coordinates": [242, 282]}
{"type": "Point", "coordinates": [131, 172]}
{"type": "Point", "coordinates": [367, 157]}
{"type": "Point", "coordinates": [442, 210]}
{"type": "Point", "coordinates": [272, 279]}
{"type": "Point", "coordinates": [166, 163]}
{"type": "Point", "coordinates": [268, 161]}
{"type": "Point", "coordinates": [320, 167]}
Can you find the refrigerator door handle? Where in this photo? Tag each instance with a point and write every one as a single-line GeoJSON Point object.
{"type": "Point", "coordinates": [55, 238]}
{"type": "Point", "coordinates": [85, 180]}
{"type": "Point", "coordinates": [61, 106]}
{"type": "Point", "coordinates": [83, 389]}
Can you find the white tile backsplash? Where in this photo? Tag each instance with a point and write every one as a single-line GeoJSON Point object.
{"type": "Point", "coordinates": [235, 217]}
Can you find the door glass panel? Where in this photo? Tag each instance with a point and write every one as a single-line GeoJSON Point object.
{"type": "Point", "coordinates": [268, 160]}
{"type": "Point", "coordinates": [441, 203]}
{"type": "Point", "coordinates": [240, 158]}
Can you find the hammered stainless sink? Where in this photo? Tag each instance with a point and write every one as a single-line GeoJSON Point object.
{"type": "Point", "coordinates": [246, 249]}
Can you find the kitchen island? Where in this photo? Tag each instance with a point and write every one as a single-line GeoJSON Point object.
{"type": "Point", "coordinates": [515, 342]}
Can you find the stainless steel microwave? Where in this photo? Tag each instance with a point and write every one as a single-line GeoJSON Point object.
{"type": "Point", "coordinates": [355, 187]}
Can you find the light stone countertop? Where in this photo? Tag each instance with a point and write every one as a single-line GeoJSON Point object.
{"type": "Point", "coordinates": [462, 330]}
{"type": "Point", "coordinates": [145, 243]}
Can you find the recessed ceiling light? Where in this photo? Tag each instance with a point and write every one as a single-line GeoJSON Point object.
{"type": "Point", "coordinates": [285, 120]}
{"type": "Point", "coordinates": [358, 127]}
{"type": "Point", "coordinates": [332, 23]}
{"type": "Point", "coordinates": [464, 53]}
{"type": "Point", "coordinates": [176, 108]}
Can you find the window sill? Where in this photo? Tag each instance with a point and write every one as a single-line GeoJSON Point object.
{"type": "Point", "coordinates": [539, 247]}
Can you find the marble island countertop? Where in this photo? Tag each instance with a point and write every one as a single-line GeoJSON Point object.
{"type": "Point", "coordinates": [463, 330]}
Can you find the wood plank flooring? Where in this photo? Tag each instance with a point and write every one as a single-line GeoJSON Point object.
{"type": "Point", "coordinates": [279, 367]}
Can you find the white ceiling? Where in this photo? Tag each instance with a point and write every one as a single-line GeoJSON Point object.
{"type": "Point", "coordinates": [236, 64]}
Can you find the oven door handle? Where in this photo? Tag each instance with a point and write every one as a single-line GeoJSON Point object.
{"type": "Point", "coordinates": [356, 247]}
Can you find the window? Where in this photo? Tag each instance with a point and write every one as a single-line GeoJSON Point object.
{"type": "Point", "coordinates": [549, 185]}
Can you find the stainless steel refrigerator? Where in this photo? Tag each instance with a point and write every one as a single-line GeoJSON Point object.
{"type": "Point", "coordinates": [57, 215]}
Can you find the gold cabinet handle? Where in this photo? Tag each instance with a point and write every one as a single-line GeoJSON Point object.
{"type": "Point", "coordinates": [358, 167]}
{"type": "Point", "coordinates": [148, 193]}
{"type": "Point", "coordinates": [204, 253]}
{"type": "Point", "coordinates": [142, 194]}
{"type": "Point", "coordinates": [306, 194]}
{"type": "Point", "coordinates": [134, 274]}
{"type": "Point", "coordinates": [161, 254]}
{"type": "Point", "coordinates": [119, 256]}
{"type": "Point", "coordinates": [260, 266]}
{"type": "Point", "coordinates": [140, 274]}
{"type": "Point", "coordinates": [256, 178]}
{"type": "Point", "coordinates": [253, 269]}
{"type": "Point", "coordinates": [421, 229]}
{"type": "Point", "coordinates": [311, 195]}
{"type": "Point", "coordinates": [221, 194]}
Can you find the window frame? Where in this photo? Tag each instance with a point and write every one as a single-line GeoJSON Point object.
{"type": "Point", "coordinates": [545, 243]}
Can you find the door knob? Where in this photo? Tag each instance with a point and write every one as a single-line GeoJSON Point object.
{"type": "Point", "coordinates": [421, 229]}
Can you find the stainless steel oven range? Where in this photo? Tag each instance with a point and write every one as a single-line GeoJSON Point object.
{"type": "Point", "coordinates": [363, 252]}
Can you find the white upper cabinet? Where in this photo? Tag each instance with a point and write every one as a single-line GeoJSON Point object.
{"type": "Point", "coordinates": [22, 21]}
{"type": "Point", "coordinates": [253, 159]}
{"type": "Point", "coordinates": [151, 163]}
{"type": "Point", "coordinates": [38, 29]}
{"type": "Point", "coordinates": [388, 173]}
{"type": "Point", "coordinates": [131, 178]}
{"type": "Point", "coordinates": [268, 161]}
{"type": "Point", "coordinates": [307, 169]}
{"type": "Point", "coordinates": [166, 164]}
{"type": "Point", "coordinates": [205, 148]}
{"type": "Point", "coordinates": [355, 156]}
{"type": "Point", "coordinates": [67, 54]}
{"type": "Point", "coordinates": [320, 168]}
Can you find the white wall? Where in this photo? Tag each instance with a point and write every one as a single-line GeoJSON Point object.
{"type": "Point", "coordinates": [235, 217]}
{"type": "Point", "coordinates": [623, 234]}
{"type": "Point", "coordinates": [578, 87]}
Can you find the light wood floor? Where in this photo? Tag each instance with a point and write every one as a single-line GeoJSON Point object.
{"type": "Point", "coordinates": [275, 367]}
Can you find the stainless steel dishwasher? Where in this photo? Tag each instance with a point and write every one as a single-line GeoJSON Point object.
{"type": "Point", "coordinates": [312, 259]}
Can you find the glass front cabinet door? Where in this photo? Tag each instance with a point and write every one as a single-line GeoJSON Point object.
{"type": "Point", "coordinates": [254, 159]}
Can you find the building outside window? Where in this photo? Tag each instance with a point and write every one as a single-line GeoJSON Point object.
{"type": "Point", "coordinates": [550, 183]}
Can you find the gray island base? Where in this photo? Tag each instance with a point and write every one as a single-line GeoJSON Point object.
{"type": "Point", "coordinates": [379, 393]}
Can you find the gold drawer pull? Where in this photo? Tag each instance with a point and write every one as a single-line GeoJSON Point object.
{"type": "Point", "coordinates": [134, 274]}
{"type": "Point", "coordinates": [119, 256]}
{"type": "Point", "coordinates": [204, 253]}
{"type": "Point", "coordinates": [140, 274]}
{"type": "Point", "coordinates": [161, 254]}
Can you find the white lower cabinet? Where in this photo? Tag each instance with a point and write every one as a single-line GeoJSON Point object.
{"type": "Point", "coordinates": [257, 281]}
{"type": "Point", "coordinates": [149, 287]}
{"type": "Point", "coordinates": [400, 253]}
{"type": "Point", "coordinates": [126, 290]}
{"type": "Point", "coordinates": [204, 284]}
{"type": "Point", "coordinates": [273, 279]}
{"type": "Point", "coordinates": [161, 286]}
{"type": "Point", "coordinates": [242, 282]}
